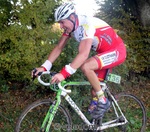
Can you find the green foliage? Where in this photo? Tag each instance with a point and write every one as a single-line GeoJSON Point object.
{"type": "Point", "coordinates": [5, 9]}
{"type": "Point", "coordinates": [4, 88]}
{"type": "Point", "coordinates": [27, 39]}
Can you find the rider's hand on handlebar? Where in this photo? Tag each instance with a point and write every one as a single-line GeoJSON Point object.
{"type": "Point", "coordinates": [57, 78]}
{"type": "Point", "coordinates": [37, 71]}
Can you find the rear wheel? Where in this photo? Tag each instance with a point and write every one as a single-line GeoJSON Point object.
{"type": "Point", "coordinates": [32, 118]}
{"type": "Point", "coordinates": [134, 112]}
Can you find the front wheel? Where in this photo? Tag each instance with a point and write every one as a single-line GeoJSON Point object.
{"type": "Point", "coordinates": [32, 118]}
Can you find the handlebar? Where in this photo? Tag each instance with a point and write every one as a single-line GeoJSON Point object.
{"type": "Point", "coordinates": [48, 84]}
{"type": "Point", "coordinates": [40, 80]}
{"type": "Point", "coordinates": [63, 89]}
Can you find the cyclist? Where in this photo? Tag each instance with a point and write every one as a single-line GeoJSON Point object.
{"type": "Point", "coordinates": [91, 33]}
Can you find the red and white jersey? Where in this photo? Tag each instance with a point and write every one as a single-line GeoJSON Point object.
{"type": "Point", "coordinates": [104, 37]}
{"type": "Point", "coordinates": [109, 46]}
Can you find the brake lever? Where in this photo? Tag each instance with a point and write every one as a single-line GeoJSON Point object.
{"type": "Point", "coordinates": [53, 73]}
{"type": "Point", "coordinates": [34, 71]}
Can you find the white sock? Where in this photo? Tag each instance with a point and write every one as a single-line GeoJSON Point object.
{"type": "Point", "coordinates": [101, 96]}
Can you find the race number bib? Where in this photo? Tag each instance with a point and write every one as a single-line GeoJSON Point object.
{"type": "Point", "coordinates": [114, 78]}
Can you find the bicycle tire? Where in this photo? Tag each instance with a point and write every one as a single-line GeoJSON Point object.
{"type": "Point", "coordinates": [32, 117]}
{"type": "Point", "coordinates": [133, 110]}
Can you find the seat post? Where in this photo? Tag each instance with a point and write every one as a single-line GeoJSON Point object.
{"type": "Point", "coordinates": [107, 73]}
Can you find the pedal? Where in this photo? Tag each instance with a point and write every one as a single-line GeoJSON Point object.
{"type": "Point", "coordinates": [122, 127]}
{"type": "Point", "coordinates": [97, 123]}
{"type": "Point", "coordinates": [121, 119]}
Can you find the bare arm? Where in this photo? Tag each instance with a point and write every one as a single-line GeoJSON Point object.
{"type": "Point", "coordinates": [84, 50]}
{"type": "Point", "coordinates": [52, 56]}
{"type": "Point", "coordinates": [58, 49]}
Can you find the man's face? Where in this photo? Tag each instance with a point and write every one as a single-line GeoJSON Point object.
{"type": "Point", "coordinates": [67, 25]}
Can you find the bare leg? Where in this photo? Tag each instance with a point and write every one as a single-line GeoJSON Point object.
{"type": "Point", "coordinates": [88, 69]}
{"type": "Point", "coordinates": [93, 93]}
{"type": "Point", "coordinates": [99, 102]}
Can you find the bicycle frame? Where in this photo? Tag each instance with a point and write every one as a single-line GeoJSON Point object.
{"type": "Point", "coordinates": [63, 92]}
{"type": "Point", "coordinates": [51, 112]}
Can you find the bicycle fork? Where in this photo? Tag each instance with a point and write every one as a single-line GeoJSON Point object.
{"type": "Point", "coordinates": [51, 113]}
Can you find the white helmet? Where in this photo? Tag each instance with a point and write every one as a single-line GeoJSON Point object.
{"type": "Point", "coordinates": [64, 11]}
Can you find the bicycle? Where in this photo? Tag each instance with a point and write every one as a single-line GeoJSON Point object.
{"type": "Point", "coordinates": [127, 112]}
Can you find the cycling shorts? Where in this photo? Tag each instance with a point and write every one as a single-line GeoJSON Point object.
{"type": "Point", "coordinates": [109, 59]}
